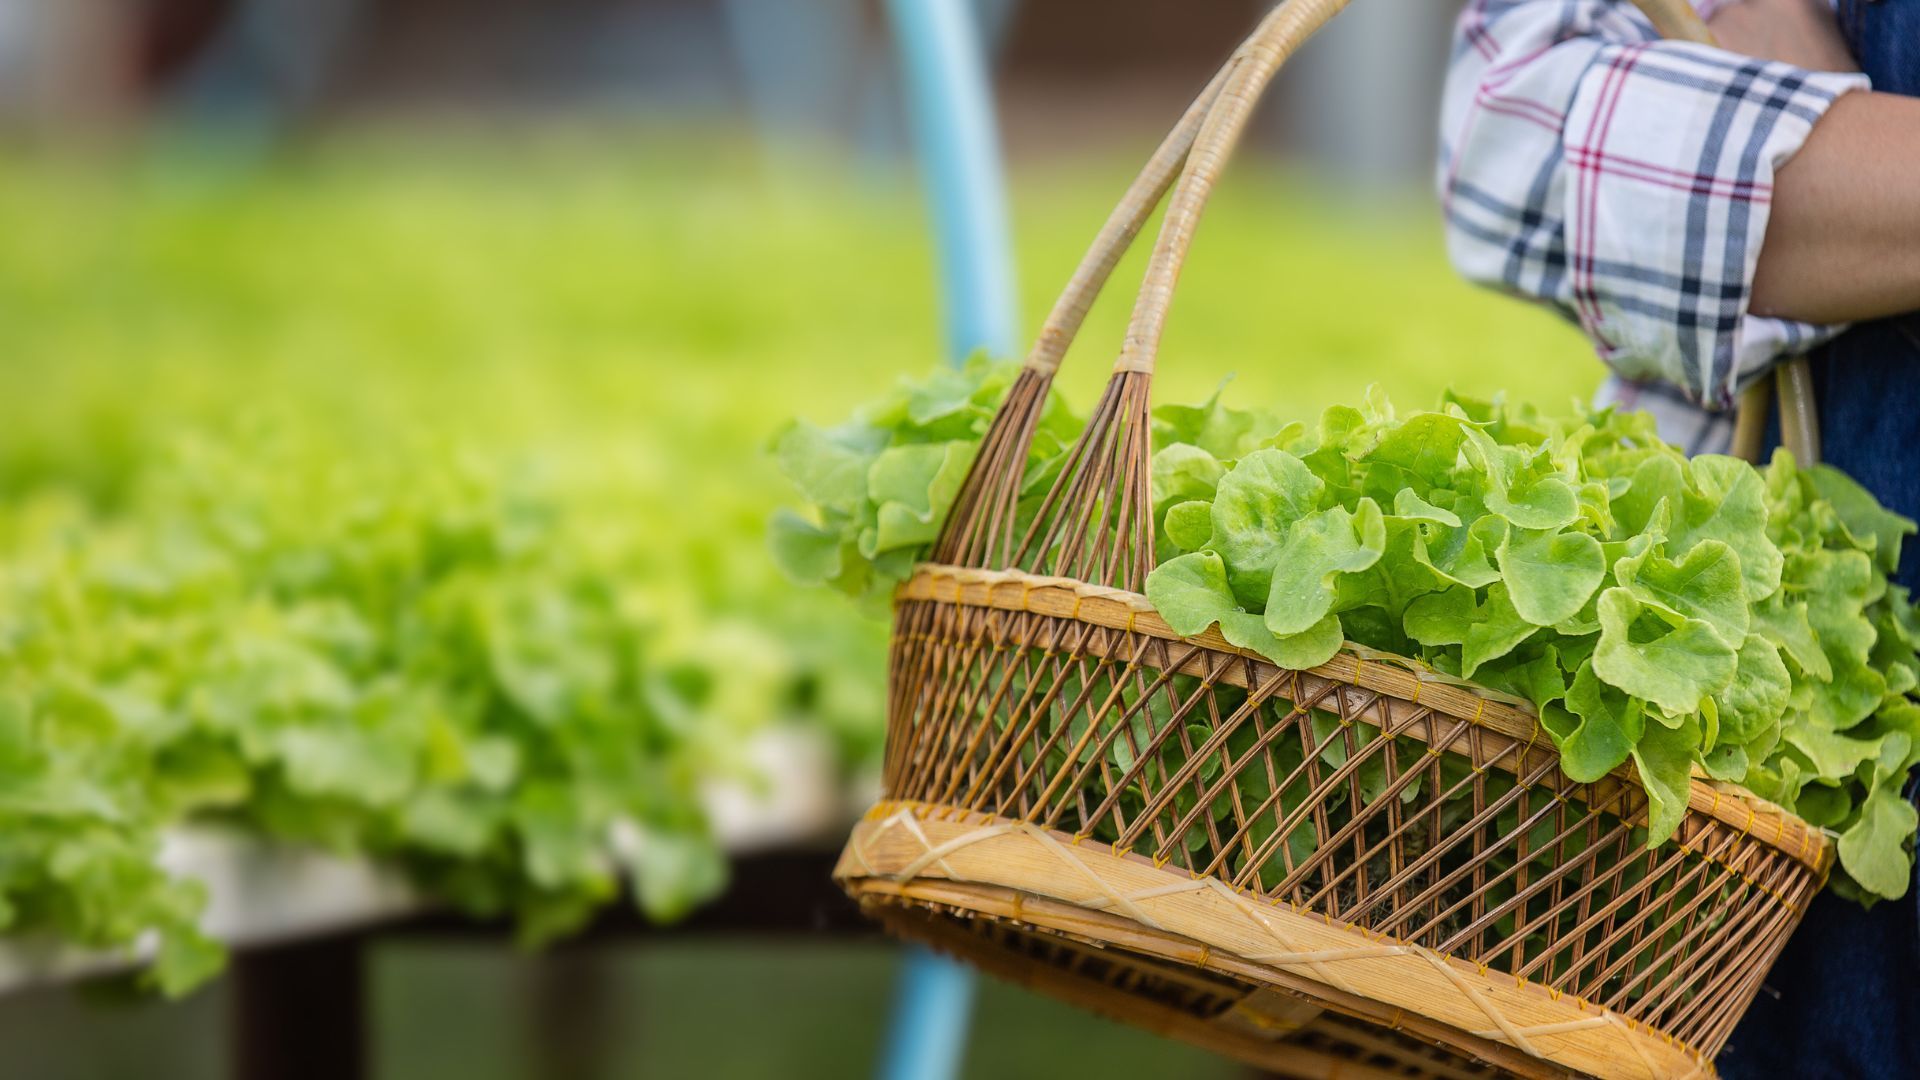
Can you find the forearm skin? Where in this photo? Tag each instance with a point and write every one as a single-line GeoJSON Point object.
{"type": "Point", "coordinates": [1843, 241]}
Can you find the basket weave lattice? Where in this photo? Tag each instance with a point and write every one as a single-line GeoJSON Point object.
{"type": "Point", "coordinates": [1522, 923]}
{"type": "Point", "coordinates": [1365, 869]}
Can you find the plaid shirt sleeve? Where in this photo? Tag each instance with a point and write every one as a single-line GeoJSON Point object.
{"type": "Point", "coordinates": [1626, 182]}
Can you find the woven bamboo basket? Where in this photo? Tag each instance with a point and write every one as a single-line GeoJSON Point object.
{"type": "Point", "coordinates": [1366, 869]}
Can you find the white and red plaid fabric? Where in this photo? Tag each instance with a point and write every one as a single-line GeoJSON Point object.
{"type": "Point", "coordinates": [1626, 182]}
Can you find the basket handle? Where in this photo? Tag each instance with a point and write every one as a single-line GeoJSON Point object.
{"type": "Point", "coordinates": [1241, 84]}
{"type": "Point", "coordinates": [1280, 33]}
{"type": "Point", "coordinates": [1116, 236]}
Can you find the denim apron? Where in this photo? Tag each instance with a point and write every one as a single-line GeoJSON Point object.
{"type": "Point", "coordinates": [1843, 1002]}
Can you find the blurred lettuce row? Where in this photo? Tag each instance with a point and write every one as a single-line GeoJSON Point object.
{"type": "Point", "coordinates": [1690, 616]}
{"type": "Point", "coordinates": [477, 669]}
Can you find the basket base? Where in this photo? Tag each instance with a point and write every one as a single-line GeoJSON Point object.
{"type": "Point", "coordinates": [1228, 970]}
{"type": "Point", "coordinates": [1284, 1034]}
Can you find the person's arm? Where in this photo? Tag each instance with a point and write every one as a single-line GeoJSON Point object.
{"type": "Point", "coordinates": [1844, 241]}
{"type": "Point", "coordinates": [1631, 183]}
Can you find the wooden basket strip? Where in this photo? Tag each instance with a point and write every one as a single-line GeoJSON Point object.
{"type": "Point", "coordinates": [1404, 680]}
{"type": "Point", "coordinates": [1110, 933]}
{"type": "Point", "coordinates": [972, 899]}
{"type": "Point", "coordinates": [1270, 1029]}
{"type": "Point", "coordinates": [1386, 1039]}
{"type": "Point", "coordinates": [899, 845]}
{"type": "Point", "coordinates": [1243, 1031]}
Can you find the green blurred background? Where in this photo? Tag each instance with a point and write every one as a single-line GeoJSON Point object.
{"type": "Point", "coordinates": [596, 301]}
{"type": "Point", "coordinates": [626, 301]}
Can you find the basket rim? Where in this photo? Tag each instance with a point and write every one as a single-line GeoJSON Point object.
{"type": "Point", "coordinates": [941, 854]}
{"type": "Point", "coordinates": [1355, 665]}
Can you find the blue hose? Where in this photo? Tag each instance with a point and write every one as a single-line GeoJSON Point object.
{"type": "Point", "coordinates": [931, 1009]}
{"type": "Point", "coordinates": [944, 67]}
{"type": "Point", "coordinates": [951, 110]}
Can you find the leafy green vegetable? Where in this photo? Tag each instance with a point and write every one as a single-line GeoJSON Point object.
{"type": "Point", "coordinates": [1675, 613]}
{"type": "Point", "coordinates": [1258, 502]}
{"type": "Point", "coordinates": [1663, 758]}
{"type": "Point", "coordinates": [879, 485]}
{"type": "Point", "coordinates": [1550, 575]}
{"type": "Point", "coordinates": [1675, 665]}
{"type": "Point", "coordinates": [1319, 548]}
{"type": "Point", "coordinates": [1609, 725]}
